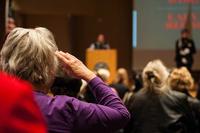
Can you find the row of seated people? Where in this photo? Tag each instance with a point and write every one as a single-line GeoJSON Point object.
{"type": "Point", "coordinates": [178, 80]}
{"type": "Point", "coordinates": [157, 106]}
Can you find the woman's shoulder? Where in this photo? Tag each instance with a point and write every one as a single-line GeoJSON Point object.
{"type": "Point", "coordinates": [68, 101]}
{"type": "Point", "coordinates": [59, 102]}
{"type": "Point", "coordinates": [175, 98]}
{"type": "Point", "coordinates": [177, 95]}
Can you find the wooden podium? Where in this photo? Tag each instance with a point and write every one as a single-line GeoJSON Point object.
{"type": "Point", "coordinates": [108, 57]}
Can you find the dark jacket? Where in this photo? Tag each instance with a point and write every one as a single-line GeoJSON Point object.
{"type": "Point", "coordinates": [195, 106]}
{"type": "Point", "coordinates": [120, 88]}
{"type": "Point", "coordinates": [182, 44]}
{"type": "Point", "coordinates": [163, 112]}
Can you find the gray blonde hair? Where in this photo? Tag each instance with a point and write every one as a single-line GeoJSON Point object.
{"type": "Point", "coordinates": [155, 75]}
{"type": "Point", "coordinates": [30, 55]}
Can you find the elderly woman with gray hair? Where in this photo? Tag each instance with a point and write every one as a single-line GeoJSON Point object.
{"type": "Point", "coordinates": [158, 109]}
{"type": "Point", "coordinates": [32, 55]}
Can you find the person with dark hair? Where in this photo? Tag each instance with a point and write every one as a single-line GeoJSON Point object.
{"type": "Point", "coordinates": [66, 86]}
{"type": "Point", "coordinates": [185, 49]}
{"type": "Point", "coordinates": [158, 109]}
{"type": "Point", "coordinates": [10, 25]}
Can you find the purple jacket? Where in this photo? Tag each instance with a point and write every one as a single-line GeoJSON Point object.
{"type": "Point", "coordinates": [69, 115]}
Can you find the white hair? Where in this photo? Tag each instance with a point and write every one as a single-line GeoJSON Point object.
{"type": "Point", "coordinates": [155, 75]}
{"type": "Point", "coordinates": [104, 74]}
{"type": "Point", "coordinates": [30, 55]}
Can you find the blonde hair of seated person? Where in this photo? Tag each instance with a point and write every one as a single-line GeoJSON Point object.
{"type": "Point", "coordinates": [180, 79]}
{"type": "Point", "coordinates": [155, 76]}
{"type": "Point", "coordinates": [122, 77]}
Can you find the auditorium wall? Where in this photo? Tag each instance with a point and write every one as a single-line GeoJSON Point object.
{"type": "Point", "coordinates": [2, 20]}
{"type": "Point", "coordinates": [76, 23]}
{"type": "Point", "coordinates": [142, 56]}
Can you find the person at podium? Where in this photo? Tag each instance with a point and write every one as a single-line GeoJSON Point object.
{"type": "Point", "coordinates": [100, 43]}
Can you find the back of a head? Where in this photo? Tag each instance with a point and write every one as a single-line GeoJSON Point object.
{"type": "Point", "coordinates": [30, 55]}
{"type": "Point", "coordinates": [47, 33]}
{"type": "Point", "coordinates": [104, 74]}
{"type": "Point", "coordinates": [122, 77]}
{"type": "Point", "coordinates": [180, 79]}
{"type": "Point", "coordinates": [154, 75]}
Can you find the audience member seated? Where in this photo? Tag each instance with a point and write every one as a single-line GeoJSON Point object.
{"type": "Point", "coordinates": [137, 85]}
{"type": "Point", "coordinates": [19, 113]}
{"type": "Point", "coordinates": [182, 81]}
{"type": "Point", "coordinates": [10, 25]}
{"type": "Point", "coordinates": [158, 109]}
{"type": "Point", "coordinates": [198, 91]}
{"type": "Point", "coordinates": [31, 55]}
{"type": "Point", "coordinates": [87, 94]}
{"type": "Point", "coordinates": [121, 83]}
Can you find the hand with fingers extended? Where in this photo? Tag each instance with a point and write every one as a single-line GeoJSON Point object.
{"type": "Point", "coordinates": [74, 67]}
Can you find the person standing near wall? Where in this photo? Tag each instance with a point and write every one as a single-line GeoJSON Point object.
{"type": "Point", "coordinates": [185, 49]}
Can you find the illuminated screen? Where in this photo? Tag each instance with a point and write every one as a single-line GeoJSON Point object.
{"type": "Point", "coordinates": [157, 23]}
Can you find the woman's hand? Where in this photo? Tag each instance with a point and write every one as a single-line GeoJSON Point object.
{"type": "Point", "coordinates": [75, 67]}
